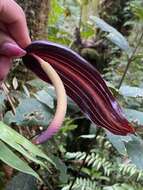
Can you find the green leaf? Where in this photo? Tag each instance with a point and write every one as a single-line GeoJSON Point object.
{"type": "Point", "coordinates": [137, 9]}
{"type": "Point", "coordinates": [25, 153]}
{"type": "Point", "coordinates": [30, 112]}
{"type": "Point", "coordinates": [134, 116]}
{"type": "Point", "coordinates": [114, 36]}
{"type": "Point", "coordinates": [62, 168]}
{"type": "Point", "coordinates": [130, 91]}
{"type": "Point", "coordinates": [135, 151]}
{"type": "Point", "coordinates": [37, 83]}
{"type": "Point", "coordinates": [123, 186]}
{"type": "Point", "coordinates": [87, 31]}
{"type": "Point", "coordinates": [2, 99]}
{"type": "Point", "coordinates": [45, 98]}
{"type": "Point", "coordinates": [118, 142]}
{"type": "Point", "coordinates": [9, 118]}
{"type": "Point", "coordinates": [7, 156]}
{"type": "Point", "coordinates": [21, 144]}
{"type": "Point", "coordinates": [68, 126]}
{"type": "Point", "coordinates": [22, 182]}
{"type": "Point", "coordinates": [56, 12]}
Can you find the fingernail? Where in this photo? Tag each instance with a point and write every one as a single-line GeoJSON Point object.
{"type": "Point", "coordinates": [11, 50]}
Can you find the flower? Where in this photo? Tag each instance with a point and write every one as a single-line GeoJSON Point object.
{"type": "Point", "coordinates": [83, 84]}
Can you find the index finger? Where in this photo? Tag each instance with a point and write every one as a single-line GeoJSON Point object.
{"type": "Point", "coordinates": [12, 15]}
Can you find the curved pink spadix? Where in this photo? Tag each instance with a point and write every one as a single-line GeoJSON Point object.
{"type": "Point", "coordinates": [61, 101]}
{"type": "Point", "coordinates": [83, 84]}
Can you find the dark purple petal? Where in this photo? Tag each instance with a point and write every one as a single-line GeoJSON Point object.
{"type": "Point", "coordinates": [83, 84]}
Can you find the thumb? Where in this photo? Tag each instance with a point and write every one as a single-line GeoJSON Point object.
{"type": "Point", "coordinates": [9, 48]}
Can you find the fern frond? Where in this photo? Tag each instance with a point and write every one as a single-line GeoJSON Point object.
{"type": "Point", "coordinates": [103, 142]}
{"type": "Point", "coordinates": [123, 186]}
{"type": "Point", "coordinates": [83, 184]}
{"type": "Point", "coordinates": [131, 171]}
{"type": "Point", "coordinates": [94, 160]}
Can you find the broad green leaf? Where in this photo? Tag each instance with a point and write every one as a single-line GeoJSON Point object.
{"type": "Point", "coordinates": [22, 182]}
{"type": "Point", "coordinates": [135, 151]}
{"type": "Point", "coordinates": [37, 83]}
{"type": "Point", "coordinates": [24, 152]}
{"type": "Point", "coordinates": [7, 156]}
{"type": "Point", "coordinates": [115, 36]}
{"type": "Point", "coordinates": [21, 144]}
{"type": "Point", "coordinates": [44, 97]}
{"type": "Point", "coordinates": [118, 142]}
{"type": "Point", "coordinates": [131, 91]}
{"type": "Point", "coordinates": [30, 112]}
{"type": "Point", "coordinates": [41, 85]}
{"type": "Point", "coordinates": [134, 116]}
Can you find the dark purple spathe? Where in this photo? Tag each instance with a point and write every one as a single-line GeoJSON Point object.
{"type": "Point", "coordinates": [83, 84]}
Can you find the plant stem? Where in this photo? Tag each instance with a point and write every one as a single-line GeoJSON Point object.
{"type": "Point", "coordinates": [130, 59]}
{"type": "Point", "coordinates": [80, 17]}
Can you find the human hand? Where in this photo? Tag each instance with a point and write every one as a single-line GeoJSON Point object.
{"type": "Point", "coordinates": [13, 34]}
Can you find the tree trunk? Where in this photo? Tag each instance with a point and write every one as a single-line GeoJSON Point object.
{"type": "Point", "coordinates": [37, 17]}
{"type": "Point", "coordinates": [37, 20]}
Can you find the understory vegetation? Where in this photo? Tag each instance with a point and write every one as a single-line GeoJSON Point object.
{"type": "Point", "coordinates": [81, 156]}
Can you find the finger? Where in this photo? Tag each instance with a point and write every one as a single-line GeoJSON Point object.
{"type": "Point", "coordinates": [3, 28]}
{"type": "Point", "coordinates": [13, 16]}
{"type": "Point", "coordinates": [9, 48]}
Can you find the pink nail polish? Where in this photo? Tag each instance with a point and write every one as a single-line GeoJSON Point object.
{"type": "Point", "coordinates": [11, 50]}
